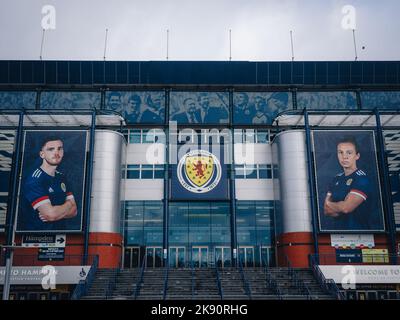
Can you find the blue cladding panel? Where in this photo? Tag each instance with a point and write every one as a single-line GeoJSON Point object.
{"type": "Point", "coordinates": [200, 72]}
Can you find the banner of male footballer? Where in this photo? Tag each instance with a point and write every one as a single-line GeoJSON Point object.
{"type": "Point", "coordinates": [200, 174]}
{"type": "Point", "coordinates": [347, 181]}
{"type": "Point", "coordinates": [51, 190]}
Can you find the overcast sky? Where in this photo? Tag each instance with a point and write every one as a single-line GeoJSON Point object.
{"type": "Point", "coordinates": [199, 30]}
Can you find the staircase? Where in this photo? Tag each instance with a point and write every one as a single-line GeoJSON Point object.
{"type": "Point", "coordinates": [291, 290]}
{"type": "Point", "coordinates": [202, 284]}
{"type": "Point", "coordinates": [232, 284]}
{"type": "Point", "coordinates": [205, 284]}
{"type": "Point", "coordinates": [125, 284]}
{"type": "Point", "coordinates": [98, 289]}
{"type": "Point", "coordinates": [258, 284]}
{"type": "Point", "coordinates": [179, 284]}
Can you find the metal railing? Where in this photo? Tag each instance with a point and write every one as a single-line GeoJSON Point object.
{"type": "Point", "coordinates": [271, 283]}
{"type": "Point", "coordinates": [245, 282]}
{"type": "Point", "coordinates": [83, 286]}
{"type": "Point", "coordinates": [112, 284]}
{"type": "Point", "coordinates": [166, 271]}
{"type": "Point", "coordinates": [140, 280]}
{"type": "Point", "coordinates": [328, 285]}
{"type": "Point", "coordinates": [298, 283]}
{"type": "Point", "coordinates": [220, 290]}
{"type": "Point", "coordinates": [193, 281]}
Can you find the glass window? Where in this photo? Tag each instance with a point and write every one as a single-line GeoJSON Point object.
{"type": "Point", "coordinates": [264, 171]}
{"type": "Point", "coordinates": [262, 136]}
{"type": "Point", "coordinates": [147, 171]}
{"type": "Point", "coordinates": [134, 213]}
{"type": "Point", "coordinates": [249, 136]}
{"type": "Point", "coordinates": [148, 136]}
{"type": "Point", "coordinates": [250, 171]}
{"type": "Point", "coordinates": [153, 214]}
{"type": "Point", "coordinates": [159, 136]}
{"type": "Point", "coordinates": [179, 223]}
{"type": "Point", "coordinates": [239, 171]}
{"type": "Point", "coordinates": [238, 136]}
{"type": "Point", "coordinates": [159, 171]}
{"type": "Point", "coordinates": [133, 171]}
{"type": "Point", "coordinates": [134, 236]}
{"type": "Point", "coordinates": [275, 171]}
{"type": "Point", "coordinates": [135, 136]}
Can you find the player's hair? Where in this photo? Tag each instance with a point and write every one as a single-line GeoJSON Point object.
{"type": "Point", "coordinates": [184, 101]}
{"type": "Point", "coordinates": [349, 139]}
{"type": "Point", "coordinates": [47, 139]}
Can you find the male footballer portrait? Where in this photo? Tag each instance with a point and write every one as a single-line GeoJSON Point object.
{"type": "Point", "coordinates": [46, 198]}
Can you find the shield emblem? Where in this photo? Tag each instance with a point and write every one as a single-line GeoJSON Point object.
{"type": "Point", "coordinates": [199, 169]}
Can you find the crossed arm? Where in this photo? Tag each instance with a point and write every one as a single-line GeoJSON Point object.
{"type": "Point", "coordinates": [50, 213]}
{"type": "Point", "coordinates": [347, 206]}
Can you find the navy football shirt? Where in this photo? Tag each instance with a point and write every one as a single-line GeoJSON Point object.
{"type": "Point", "coordinates": [362, 218]}
{"type": "Point", "coordinates": [37, 189]}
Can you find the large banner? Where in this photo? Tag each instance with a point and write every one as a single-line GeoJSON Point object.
{"type": "Point", "coordinates": [7, 139]}
{"type": "Point", "coordinates": [259, 107]}
{"type": "Point", "coordinates": [52, 186]}
{"type": "Point", "coordinates": [347, 181]}
{"type": "Point", "coordinates": [199, 107]}
{"type": "Point", "coordinates": [392, 141]}
{"type": "Point", "coordinates": [201, 174]}
{"type": "Point", "coordinates": [138, 106]}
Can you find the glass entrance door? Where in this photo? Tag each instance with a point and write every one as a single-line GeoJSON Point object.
{"type": "Point", "coordinates": [200, 256]}
{"type": "Point", "coordinates": [177, 257]}
{"type": "Point", "coordinates": [266, 256]}
{"type": "Point", "coordinates": [246, 256]}
{"type": "Point", "coordinates": [223, 256]}
{"type": "Point", "coordinates": [131, 257]}
{"type": "Point", "coordinates": [153, 257]}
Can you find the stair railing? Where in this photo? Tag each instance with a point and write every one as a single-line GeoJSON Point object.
{"type": "Point", "coordinates": [192, 273]}
{"type": "Point", "coordinates": [166, 272]}
{"type": "Point", "coordinates": [271, 283]}
{"type": "Point", "coordinates": [220, 291]}
{"type": "Point", "coordinates": [245, 282]}
{"type": "Point", "coordinates": [83, 286]}
{"type": "Point", "coordinates": [112, 284]}
{"type": "Point", "coordinates": [140, 280]}
{"type": "Point", "coordinates": [299, 283]}
{"type": "Point", "coordinates": [328, 285]}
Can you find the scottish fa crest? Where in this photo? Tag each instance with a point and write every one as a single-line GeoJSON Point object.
{"type": "Point", "coordinates": [199, 171]}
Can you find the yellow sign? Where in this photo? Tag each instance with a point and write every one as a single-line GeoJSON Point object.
{"type": "Point", "coordinates": [199, 169]}
{"type": "Point", "coordinates": [375, 255]}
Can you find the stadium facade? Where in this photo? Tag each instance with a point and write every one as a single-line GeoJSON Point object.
{"type": "Point", "coordinates": [204, 163]}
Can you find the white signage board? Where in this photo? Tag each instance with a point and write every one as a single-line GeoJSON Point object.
{"type": "Point", "coordinates": [35, 275]}
{"type": "Point", "coordinates": [352, 240]}
{"type": "Point", "coordinates": [44, 241]}
{"type": "Point", "coordinates": [362, 274]}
